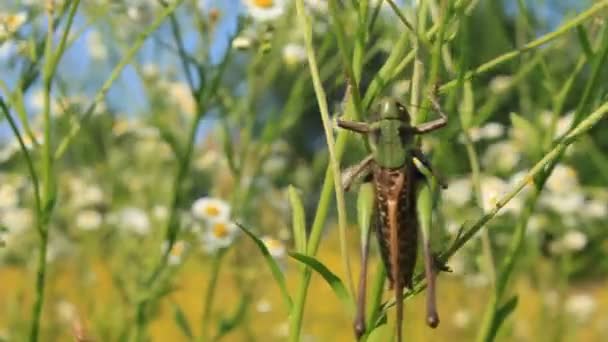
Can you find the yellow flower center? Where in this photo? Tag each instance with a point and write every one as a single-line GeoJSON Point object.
{"type": "Point", "coordinates": [212, 211]}
{"type": "Point", "coordinates": [273, 243]}
{"type": "Point", "coordinates": [177, 249]}
{"type": "Point", "coordinates": [220, 230]}
{"type": "Point", "coordinates": [263, 3]}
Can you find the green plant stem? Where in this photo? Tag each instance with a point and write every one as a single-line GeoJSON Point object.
{"type": "Point", "coordinates": [485, 237]}
{"type": "Point", "coordinates": [327, 126]}
{"type": "Point", "coordinates": [573, 23]}
{"type": "Point", "coordinates": [101, 93]}
{"type": "Point", "coordinates": [210, 294]}
{"type": "Point", "coordinates": [46, 199]}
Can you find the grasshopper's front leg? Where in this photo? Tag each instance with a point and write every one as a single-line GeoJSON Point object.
{"type": "Point", "coordinates": [435, 124]}
{"type": "Point", "coordinates": [358, 172]}
{"type": "Point", "coordinates": [425, 161]}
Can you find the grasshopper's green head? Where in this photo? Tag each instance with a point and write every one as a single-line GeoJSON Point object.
{"type": "Point", "coordinates": [390, 109]}
{"type": "Point", "coordinates": [390, 134]}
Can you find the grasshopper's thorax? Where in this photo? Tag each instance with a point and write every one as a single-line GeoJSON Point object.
{"type": "Point", "coordinates": [391, 137]}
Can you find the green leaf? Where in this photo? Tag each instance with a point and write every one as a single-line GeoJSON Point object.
{"type": "Point", "coordinates": [298, 219]}
{"type": "Point", "coordinates": [226, 325]}
{"type": "Point", "coordinates": [467, 107]}
{"type": "Point", "coordinates": [334, 282]}
{"type": "Point", "coordinates": [277, 274]}
{"type": "Point", "coordinates": [365, 208]}
{"type": "Point", "coordinates": [583, 39]}
{"type": "Point", "coordinates": [501, 316]}
{"type": "Point", "coordinates": [182, 321]}
{"type": "Point", "coordinates": [228, 148]}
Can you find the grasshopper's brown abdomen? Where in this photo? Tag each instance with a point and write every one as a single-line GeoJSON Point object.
{"type": "Point", "coordinates": [396, 206]}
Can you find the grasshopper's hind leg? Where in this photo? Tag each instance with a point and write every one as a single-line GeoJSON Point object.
{"type": "Point", "coordinates": [430, 273]}
{"type": "Point", "coordinates": [356, 174]}
{"type": "Point", "coordinates": [359, 323]}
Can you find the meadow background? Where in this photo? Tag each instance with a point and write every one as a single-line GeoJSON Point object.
{"type": "Point", "coordinates": [135, 134]}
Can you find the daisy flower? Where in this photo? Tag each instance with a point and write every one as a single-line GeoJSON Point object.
{"type": "Point", "coordinates": [265, 10]}
{"type": "Point", "coordinates": [10, 23]}
{"type": "Point", "coordinates": [276, 248]}
{"type": "Point", "coordinates": [135, 220]}
{"type": "Point", "coordinates": [89, 220]}
{"type": "Point", "coordinates": [211, 209]}
{"type": "Point", "coordinates": [219, 234]}
{"type": "Point", "coordinates": [177, 251]}
{"type": "Point", "coordinates": [294, 54]}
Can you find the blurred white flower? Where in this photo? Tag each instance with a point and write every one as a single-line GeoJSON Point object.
{"type": "Point", "coordinates": [89, 219]}
{"type": "Point", "coordinates": [563, 179]}
{"type": "Point", "coordinates": [489, 131]}
{"type": "Point", "coordinates": [160, 212]}
{"type": "Point", "coordinates": [180, 94]}
{"type": "Point", "coordinates": [66, 311]}
{"type": "Point", "coordinates": [457, 263]}
{"type": "Point", "coordinates": [219, 234]}
{"type": "Point", "coordinates": [564, 203]}
{"type": "Point", "coordinates": [177, 251]}
{"type": "Point", "coordinates": [134, 219]}
{"type": "Point", "coordinates": [13, 147]}
{"type": "Point", "coordinates": [275, 165]}
{"type": "Point", "coordinates": [461, 318]}
{"type": "Point", "coordinates": [17, 220]}
{"type": "Point", "coordinates": [319, 6]}
{"type": "Point", "coordinates": [265, 10]}
{"type": "Point", "coordinates": [595, 209]}
{"type": "Point", "coordinates": [492, 189]}
{"type": "Point", "coordinates": [95, 45]}
{"type": "Point", "coordinates": [281, 330]}
{"type": "Point", "coordinates": [122, 126]}
{"type": "Point", "coordinates": [36, 100]}
{"type": "Point", "coordinates": [492, 130]}
{"type": "Point", "coordinates": [459, 191]}
{"type": "Point", "coordinates": [9, 196]}
{"type": "Point", "coordinates": [211, 209]}
{"type": "Point", "coordinates": [537, 223]}
{"type": "Point", "coordinates": [263, 306]}
{"type": "Point", "coordinates": [276, 248]}
{"type": "Point", "coordinates": [150, 71]}
{"type": "Point", "coordinates": [581, 306]}
{"type": "Point", "coordinates": [89, 195]}
{"type": "Point", "coordinates": [10, 23]}
{"type": "Point", "coordinates": [574, 240]}
{"type": "Point", "coordinates": [242, 43]}
{"type": "Point", "coordinates": [500, 84]}
{"type": "Point", "coordinates": [502, 156]}
{"type": "Point", "coordinates": [294, 54]}
{"type": "Point", "coordinates": [564, 123]}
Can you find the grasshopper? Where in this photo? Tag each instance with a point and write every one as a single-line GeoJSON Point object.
{"type": "Point", "coordinates": [395, 177]}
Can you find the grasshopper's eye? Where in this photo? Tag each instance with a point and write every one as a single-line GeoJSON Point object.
{"type": "Point", "coordinates": [401, 108]}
